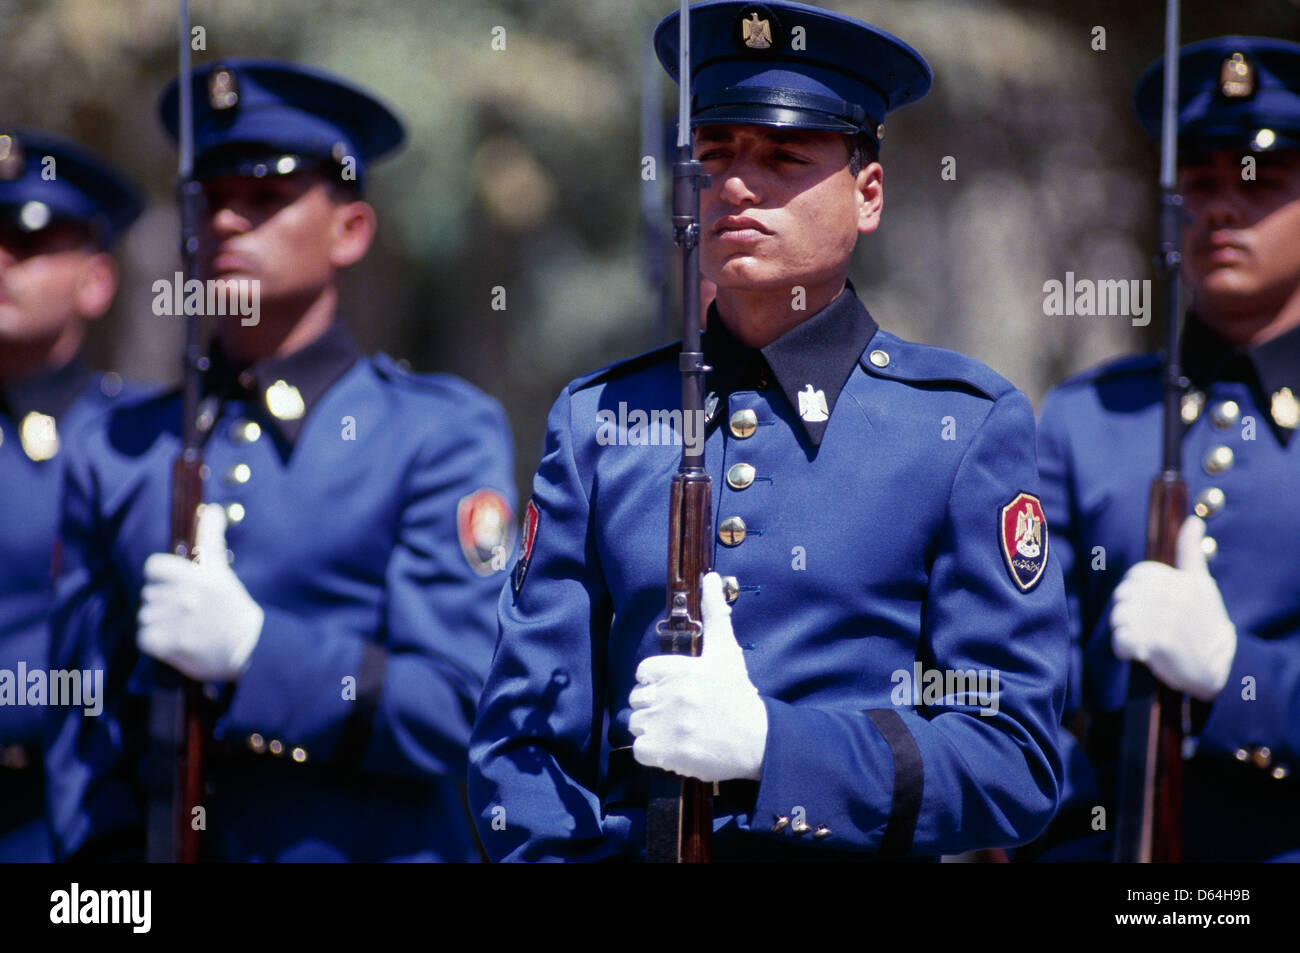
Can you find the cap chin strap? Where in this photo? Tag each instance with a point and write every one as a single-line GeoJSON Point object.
{"type": "Point", "coordinates": [834, 108]}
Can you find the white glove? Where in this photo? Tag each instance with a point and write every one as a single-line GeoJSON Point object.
{"type": "Point", "coordinates": [197, 616]}
{"type": "Point", "coordinates": [701, 717]}
{"type": "Point", "coordinates": [1173, 619]}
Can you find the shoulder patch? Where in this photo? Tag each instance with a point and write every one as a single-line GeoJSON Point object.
{"type": "Point", "coordinates": [485, 525]}
{"type": "Point", "coordinates": [527, 537]}
{"type": "Point", "coordinates": [1133, 365]}
{"type": "Point", "coordinates": [629, 366]}
{"type": "Point", "coordinates": [1022, 534]}
{"type": "Point", "coordinates": [893, 357]}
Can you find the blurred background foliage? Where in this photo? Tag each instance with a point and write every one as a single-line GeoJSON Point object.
{"type": "Point", "coordinates": [523, 171]}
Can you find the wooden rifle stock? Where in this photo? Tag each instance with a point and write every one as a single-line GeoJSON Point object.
{"type": "Point", "coordinates": [679, 816]}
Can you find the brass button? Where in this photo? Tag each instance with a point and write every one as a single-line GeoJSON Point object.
{"type": "Point", "coordinates": [1242, 754]}
{"type": "Point", "coordinates": [1210, 547]}
{"type": "Point", "coordinates": [1224, 415]}
{"type": "Point", "coordinates": [1209, 502]}
{"type": "Point", "coordinates": [239, 473]}
{"type": "Point", "coordinates": [1280, 772]}
{"type": "Point", "coordinates": [800, 827]}
{"type": "Point", "coordinates": [276, 747]}
{"type": "Point", "coordinates": [1192, 403]}
{"type": "Point", "coordinates": [1285, 409]}
{"type": "Point", "coordinates": [245, 431]}
{"type": "Point", "coordinates": [744, 423]}
{"type": "Point", "coordinates": [257, 743]}
{"type": "Point", "coordinates": [1218, 460]}
{"type": "Point", "coordinates": [732, 531]}
{"type": "Point", "coordinates": [299, 755]}
{"type": "Point", "coordinates": [284, 401]}
{"type": "Point", "coordinates": [731, 588]}
{"type": "Point", "coordinates": [822, 832]}
{"type": "Point", "coordinates": [782, 822]}
{"type": "Point", "coordinates": [740, 476]}
{"type": "Point", "coordinates": [39, 435]}
{"type": "Point", "coordinates": [879, 358]}
{"type": "Point", "coordinates": [1262, 757]}
{"type": "Point", "coordinates": [235, 512]}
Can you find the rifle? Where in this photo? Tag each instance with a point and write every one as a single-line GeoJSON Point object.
{"type": "Point", "coordinates": [679, 813]}
{"type": "Point", "coordinates": [177, 729]}
{"type": "Point", "coordinates": [1149, 826]}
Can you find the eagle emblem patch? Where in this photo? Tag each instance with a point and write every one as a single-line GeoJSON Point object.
{"type": "Point", "coordinates": [1022, 532]}
{"type": "Point", "coordinates": [484, 523]}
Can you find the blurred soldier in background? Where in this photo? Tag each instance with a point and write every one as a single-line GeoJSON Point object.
{"type": "Point", "coordinates": [1223, 626]}
{"type": "Point", "coordinates": [61, 208]}
{"type": "Point", "coordinates": [342, 608]}
{"type": "Point", "coordinates": [855, 545]}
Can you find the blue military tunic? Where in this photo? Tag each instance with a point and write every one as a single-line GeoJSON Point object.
{"type": "Point", "coordinates": [370, 517]}
{"type": "Point", "coordinates": [859, 489]}
{"type": "Point", "coordinates": [1099, 448]}
{"type": "Point", "coordinates": [36, 415]}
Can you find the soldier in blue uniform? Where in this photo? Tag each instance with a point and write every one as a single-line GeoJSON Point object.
{"type": "Point", "coordinates": [1224, 625]}
{"type": "Point", "coordinates": [61, 209]}
{"type": "Point", "coordinates": [359, 518]}
{"type": "Point", "coordinates": [897, 668]}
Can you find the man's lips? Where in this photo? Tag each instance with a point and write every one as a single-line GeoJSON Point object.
{"type": "Point", "coordinates": [741, 229]}
{"type": "Point", "coordinates": [227, 262]}
{"type": "Point", "coordinates": [1221, 249]}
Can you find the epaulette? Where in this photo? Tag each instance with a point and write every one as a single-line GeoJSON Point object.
{"type": "Point", "coordinates": [892, 357]}
{"type": "Point", "coordinates": [623, 368]}
{"type": "Point", "coordinates": [1131, 365]}
{"type": "Point", "coordinates": [446, 385]}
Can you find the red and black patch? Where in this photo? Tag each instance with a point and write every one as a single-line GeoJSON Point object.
{"type": "Point", "coordinates": [1022, 532]}
{"type": "Point", "coordinates": [527, 537]}
{"type": "Point", "coordinates": [485, 523]}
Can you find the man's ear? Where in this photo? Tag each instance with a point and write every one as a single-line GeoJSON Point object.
{"type": "Point", "coordinates": [96, 286]}
{"type": "Point", "coordinates": [870, 185]}
{"type": "Point", "coordinates": [353, 231]}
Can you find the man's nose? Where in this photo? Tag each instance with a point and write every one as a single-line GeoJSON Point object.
{"type": "Point", "coordinates": [740, 182]}
{"type": "Point", "coordinates": [1221, 208]}
{"type": "Point", "coordinates": [226, 220]}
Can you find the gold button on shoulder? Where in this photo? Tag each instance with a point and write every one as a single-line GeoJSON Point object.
{"type": "Point", "coordinates": [732, 531]}
{"type": "Point", "coordinates": [257, 743]}
{"type": "Point", "coordinates": [1218, 460]}
{"type": "Point", "coordinates": [1191, 406]}
{"type": "Point", "coordinates": [879, 358]}
{"type": "Point", "coordinates": [822, 832]}
{"type": "Point", "coordinates": [276, 747]}
{"type": "Point", "coordinates": [1209, 502]}
{"type": "Point", "coordinates": [800, 827]}
{"type": "Point", "coordinates": [782, 822]}
{"type": "Point", "coordinates": [744, 423]}
{"type": "Point", "coordinates": [1280, 771]}
{"type": "Point", "coordinates": [299, 755]}
{"type": "Point", "coordinates": [740, 476]}
{"type": "Point", "coordinates": [235, 512]}
{"type": "Point", "coordinates": [1262, 757]}
{"type": "Point", "coordinates": [1224, 415]}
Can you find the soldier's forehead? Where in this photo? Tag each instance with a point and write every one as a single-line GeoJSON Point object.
{"type": "Point", "coordinates": [727, 131]}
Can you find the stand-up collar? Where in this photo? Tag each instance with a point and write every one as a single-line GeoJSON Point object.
{"type": "Point", "coordinates": [47, 392]}
{"type": "Point", "coordinates": [286, 387]}
{"type": "Point", "coordinates": [810, 363]}
{"type": "Point", "coordinates": [1272, 369]}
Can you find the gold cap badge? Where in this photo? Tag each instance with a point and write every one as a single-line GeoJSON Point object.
{"type": "Point", "coordinates": [223, 90]}
{"type": "Point", "coordinates": [1237, 77]}
{"type": "Point", "coordinates": [11, 157]}
{"type": "Point", "coordinates": [755, 33]}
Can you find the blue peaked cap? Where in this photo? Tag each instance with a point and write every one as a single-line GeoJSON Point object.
{"type": "Point", "coordinates": [259, 117]}
{"type": "Point", "coordinates": [1234, 92]}
{"type": "Point", "coordinates": [45, 179]}
{"type": "Point", "coordinates": [792, 65]}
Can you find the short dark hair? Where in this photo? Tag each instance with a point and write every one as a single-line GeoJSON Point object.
{"type": "Point", "coordinates": [862, 152]}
